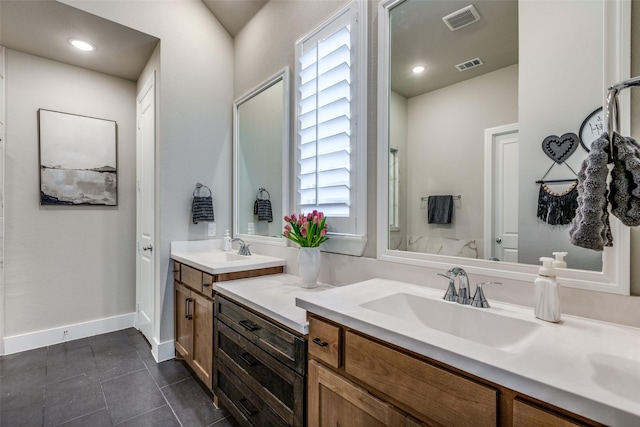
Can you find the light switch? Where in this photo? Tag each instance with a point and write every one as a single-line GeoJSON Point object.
{"type": "Point", "coordinates": [211, 229]}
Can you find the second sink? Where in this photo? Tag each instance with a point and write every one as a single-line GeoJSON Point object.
{"type": "Point", "coordinates": [479, 325]}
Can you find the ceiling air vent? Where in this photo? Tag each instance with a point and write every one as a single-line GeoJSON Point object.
{"type": "Point", "coordinates": [461, 18]}
{"type": "Point", "coordinates": [472, 63]}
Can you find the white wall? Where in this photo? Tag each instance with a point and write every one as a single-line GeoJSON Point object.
{"type": "Point", "coordinates": [446, 148]}
{"type": "Point", "coordinates": [557, 94]}
{"type": "Point", "coordinates": [195, 99]}
{"type": "Point", "coordinates": [63, 264]}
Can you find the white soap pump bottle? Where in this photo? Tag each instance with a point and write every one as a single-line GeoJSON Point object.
{"type": "Point", "coordinates": [226, 241]}
{"type": "Point", "coordinates": [547, 304]}
{"type": "Point", "coordinates": [559, 262]}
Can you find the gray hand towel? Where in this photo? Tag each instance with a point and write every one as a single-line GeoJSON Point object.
{"type": "Point", "coordinates": [590, 228]}
{"type": "Point", "coordinates": [439, 209]}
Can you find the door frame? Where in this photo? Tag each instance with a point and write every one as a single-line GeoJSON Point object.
{"type": "Point", "coordinates": [490, 136]}
{"type": "Point", "coordinates": [149, 85]}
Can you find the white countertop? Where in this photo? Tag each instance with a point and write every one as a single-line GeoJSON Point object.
{"type": "Point", "coordinates": [587, 367]}
{"type": "Point", "coordinates": [274, 296]}
{"type": "Point", "coordinates": [208, 256]}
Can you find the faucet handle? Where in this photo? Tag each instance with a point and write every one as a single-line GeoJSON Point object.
{"type": "Point", "coordinates": [451, 294]}
{"type": "Point", "coordinates": [479, 300]}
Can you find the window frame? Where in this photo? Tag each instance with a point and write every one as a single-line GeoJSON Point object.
{"type": "Point", "coordinates": [349, 243]}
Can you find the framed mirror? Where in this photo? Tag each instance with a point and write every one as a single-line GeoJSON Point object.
{"type": "Point", "coordinates": [478, 112]}
{"type": "Point", "coordinates": [260, 161]}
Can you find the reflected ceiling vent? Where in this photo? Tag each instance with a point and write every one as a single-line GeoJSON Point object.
{"type": "Point", "coordinates": [472, 63]}
{"type": "Point", "coordinates": [461, 18]}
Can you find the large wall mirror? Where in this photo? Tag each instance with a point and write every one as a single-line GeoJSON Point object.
{"type": "Point", "coordinates": [260, 161]}
{"type": "Point", "coordinates": [494, 83]}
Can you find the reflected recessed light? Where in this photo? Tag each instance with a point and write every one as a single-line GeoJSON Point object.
{"type": "Point", "coordinates": [82, 45]}
{"type": "Point", "coordinates": [418, 69]}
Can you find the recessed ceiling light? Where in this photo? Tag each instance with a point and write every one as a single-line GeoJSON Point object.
{"type": "Point", "coordinates": [418, 69]}
{"type": "Point", "coordinates": [82, 45]}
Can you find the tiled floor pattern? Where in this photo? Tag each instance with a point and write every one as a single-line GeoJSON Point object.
{"type": "Point", "coordinates": [105, 380]}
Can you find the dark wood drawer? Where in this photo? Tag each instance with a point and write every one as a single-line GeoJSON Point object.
{"type": "Point", "coordinates": [176, 270]}
{"type": "Point", "coordinates": [281, 344]}
{"type": "Point", "coordinates": [245, 406]}
{"type": "Point", "coordinates": [207, 284]}
{"type": "Point", "coordinates": [278, 386]}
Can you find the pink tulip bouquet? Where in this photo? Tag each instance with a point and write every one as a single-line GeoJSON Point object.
{"type": "Point", "coordinates": [308, 231]}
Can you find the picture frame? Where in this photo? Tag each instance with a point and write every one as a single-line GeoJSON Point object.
{"type": "Point", "coordinates": [591, 128]}
{"type": "Point", "coordinates": [77, 159]}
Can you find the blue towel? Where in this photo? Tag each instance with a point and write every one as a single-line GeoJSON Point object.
{"type": "Point", "coordinates": [439, 209]}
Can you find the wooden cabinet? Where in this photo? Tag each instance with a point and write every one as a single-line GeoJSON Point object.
{"type": "Point", "coordinates": [528, 415]}
{"type": "Point", "coordinates": [259, 367]}
{"type": "Point", "coordinates": [194, 312]}
{"type": "Point", "coordinates": [194, 331]}
{"type": "Point", "coordinates": [360, 381]}
{"type": "Point", "coordinates": [336, 401]}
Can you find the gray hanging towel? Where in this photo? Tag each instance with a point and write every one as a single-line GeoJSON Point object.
{"type": "Point", "coordinates": [262, 206]}
{"type": "Point", "coordinates": [624, 187]}
{"type": "Point", "coordinates": [590, 228]}
{"type": "Point", "coordinates": [202, 204]}
{"type": "Point", "coordinates": [439, 209]}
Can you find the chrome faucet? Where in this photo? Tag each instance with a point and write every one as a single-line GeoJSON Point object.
{"type": "Point", "coordinates": [463, 284]}
{"type": "Point", "coordinates": [479, 300]}
{"type": "Point", "coordinates": [244, 248]}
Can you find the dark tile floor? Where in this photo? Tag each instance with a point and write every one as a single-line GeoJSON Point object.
{"type": "Point", "coordinates": [104, 380]}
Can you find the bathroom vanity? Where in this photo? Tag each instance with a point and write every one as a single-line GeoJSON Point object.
{"type": "Point", "coordinates": [392, 353]}
{"type": "Point", "coordinates": [261, 349]}
{"type": "Point", "coordinates": [196, 267]}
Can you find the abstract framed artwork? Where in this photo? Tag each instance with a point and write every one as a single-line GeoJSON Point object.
{"type": "Point", "coordinates": [78, 159]}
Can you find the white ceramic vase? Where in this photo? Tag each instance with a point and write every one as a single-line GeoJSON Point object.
{"type": "Point", "coordinates": [309, 266]}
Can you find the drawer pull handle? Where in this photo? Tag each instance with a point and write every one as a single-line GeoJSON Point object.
{"type": "Point", "coordinates": [187, 314]}
{"type": "Point", "coordinates": [249, 359]}
{"type": "Point", "coordinates": [319, 342]}
{"type": "Point", "coordinates": [248, 325]}
{"type": "Point", "coordinates": [249, 412]}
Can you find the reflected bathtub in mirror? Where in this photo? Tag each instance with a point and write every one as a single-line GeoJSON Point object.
{"type": "Point", "coordinates": [443, 131]}
{"type": "Point", "coordinates": [261, 161]}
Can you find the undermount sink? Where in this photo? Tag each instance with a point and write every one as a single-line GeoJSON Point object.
{"type": "Point", "coordinates": [475, 324]}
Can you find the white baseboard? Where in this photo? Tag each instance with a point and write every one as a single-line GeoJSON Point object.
{"type": "Point", "coordinates": [163, 350]}
{"type": "Point", "coordinates": [31, 340]}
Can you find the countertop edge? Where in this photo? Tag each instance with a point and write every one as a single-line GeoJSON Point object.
{"type": "Point", "coordinates": [567, 400]}
{"type": "Point", "coordinates": [300, 328]}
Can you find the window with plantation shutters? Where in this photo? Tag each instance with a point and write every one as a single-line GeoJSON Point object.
{"type": "Point", "coordinates": [330, 150]}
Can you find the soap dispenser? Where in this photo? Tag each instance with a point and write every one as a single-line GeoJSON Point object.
{"type": "Point", "coordinates": [226, 241]}
{"type": "Point", "coordinates": [559, 262]}
{"type": "Point", "coordinates": [547, 304]}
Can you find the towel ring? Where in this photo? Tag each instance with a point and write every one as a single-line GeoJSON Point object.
{"type": "Point", "coordinates": [259, 195]}
{"type": "Point", "coordinates": [199, 188]}
{"type": "Point", "coordinates": [613, 117]}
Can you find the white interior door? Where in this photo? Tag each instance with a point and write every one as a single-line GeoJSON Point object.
{"type": "Point", "coordinates": [145, 263]}
{"type": "Point", "coordinates": [501, 183]}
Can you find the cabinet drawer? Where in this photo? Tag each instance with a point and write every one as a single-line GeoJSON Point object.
{"type": "Point", "coordinates": [325, 341]}
{"type": "Point", "coordinates": [244, 405]}
{"type": "Point", "coordinates": [434, 393]}
{"type": "Point", "coordinates": [525, 414]}
{"type": "Point", "coordinates": [286, 347]}
{"type": "Point", "coordinates": [274, 383]}
{"type": "Point", "coordinates": [191, 277]}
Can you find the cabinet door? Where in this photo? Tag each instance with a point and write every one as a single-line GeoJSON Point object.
{"type": "Point", "coordinates": [335, 401]}
{"type": "Point", "coordinates": [202, 312]}
{"type": "Point", "coordinates": [527, 415]}
{"type": "Point", "coordinates": [183, 321]}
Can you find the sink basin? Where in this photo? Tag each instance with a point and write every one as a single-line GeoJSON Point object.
{"type": "Point", "coordinates": [218, 262]}
{"type": "Point", "coordinates": [475, 324]}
